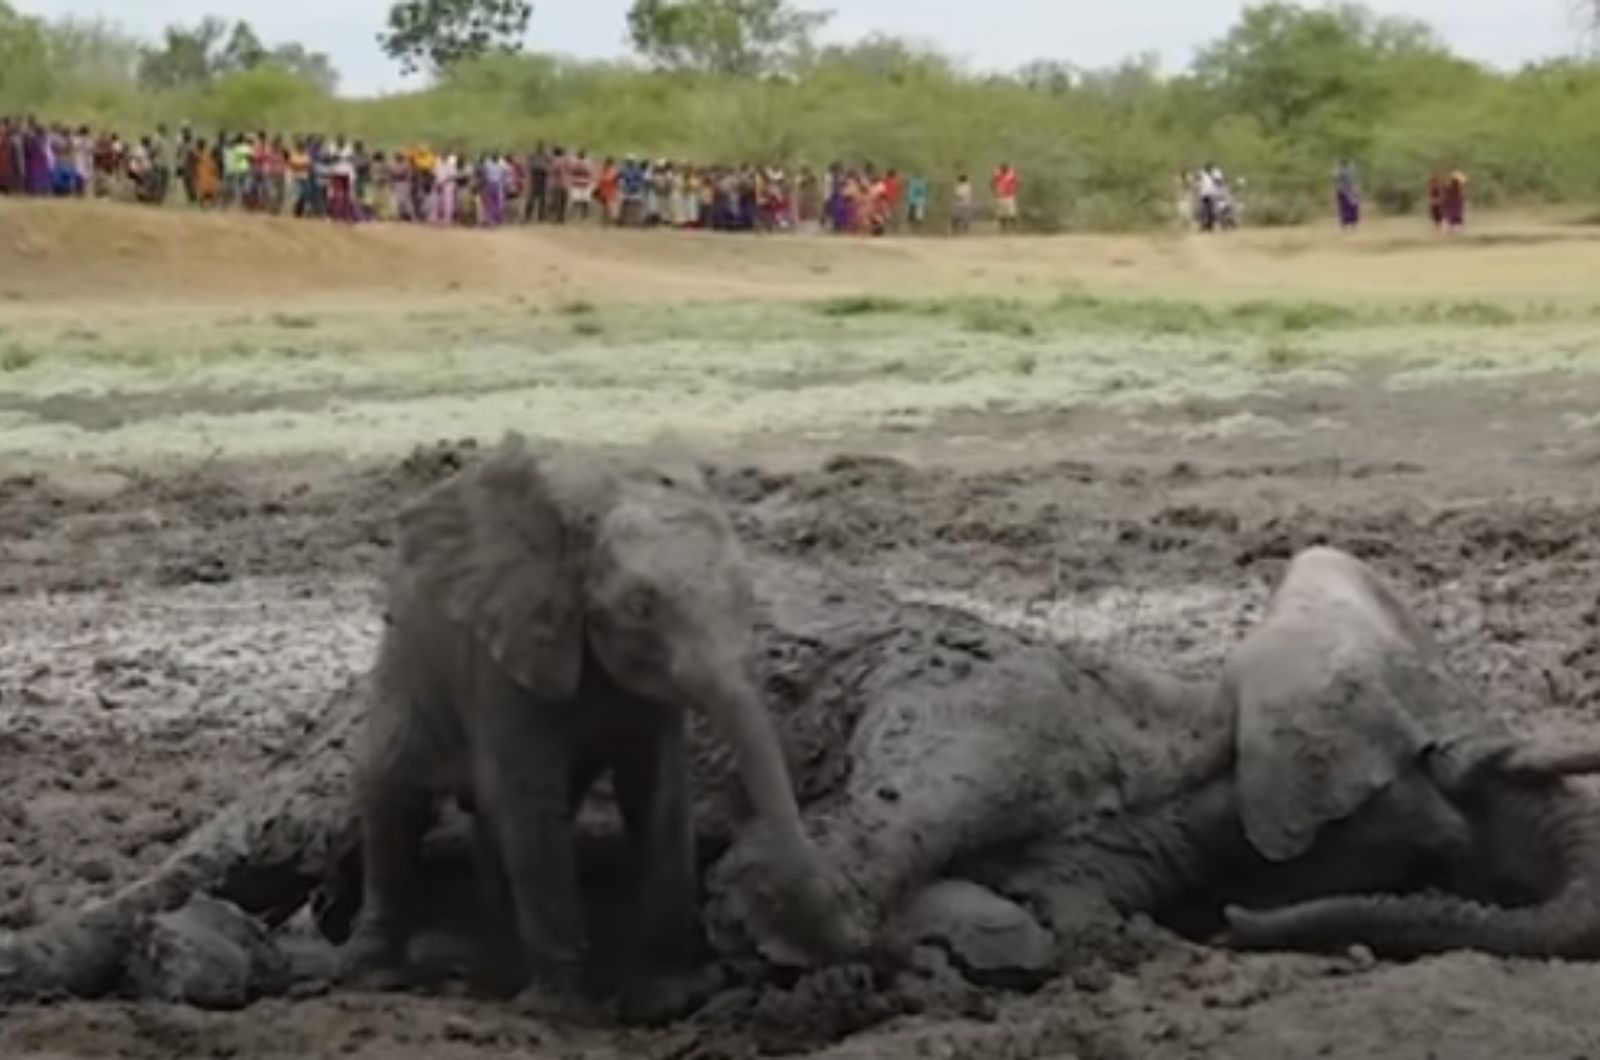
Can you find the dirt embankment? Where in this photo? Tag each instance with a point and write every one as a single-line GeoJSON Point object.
{"type": "Point", "coordinates": [75, 252]}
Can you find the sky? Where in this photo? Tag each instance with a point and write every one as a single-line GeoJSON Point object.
{"type": "Point", "coordinates": [1090, 33]}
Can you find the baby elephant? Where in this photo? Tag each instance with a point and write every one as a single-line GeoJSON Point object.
{"type": "Point", "coordinates": [552, 616]}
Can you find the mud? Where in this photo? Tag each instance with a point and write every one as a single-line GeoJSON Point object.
{"type": "Point", "coordinates": [163, 637]}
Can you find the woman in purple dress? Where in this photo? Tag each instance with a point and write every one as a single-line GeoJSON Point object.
{"type": "Point", "coordinates": [1347, 193]}
{"type": "Point", "coordinates": [36, 159]}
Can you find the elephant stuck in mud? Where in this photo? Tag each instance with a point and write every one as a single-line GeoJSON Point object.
{"type": "Point", "coordinates": [951, 771]}
{"type": "Point", "coordinates": [554, 616]}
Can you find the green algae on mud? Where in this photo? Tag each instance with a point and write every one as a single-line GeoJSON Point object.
{"type": "Point", "coordinates": [368, 385]}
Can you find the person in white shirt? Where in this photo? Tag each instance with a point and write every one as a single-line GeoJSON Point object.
{"type": "Point", "coordinates": [444, 190]}
{"type": "Point", "coordinates": [1208, 185]}
{"type": "Point", "coordinates": [961, 206]}
{"type": "Point", "coordinates": [494, 176]}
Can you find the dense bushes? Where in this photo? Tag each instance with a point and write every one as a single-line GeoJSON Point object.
{"type": "Point", "coordinates": [1276, 101]}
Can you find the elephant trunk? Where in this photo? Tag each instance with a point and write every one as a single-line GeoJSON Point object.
{"type": "Point", "coordinates": [734, 706]}
{"type": "Point", "coordinates": [798, 895]}
{"type": "Point", "coordinates": [1551, 817]}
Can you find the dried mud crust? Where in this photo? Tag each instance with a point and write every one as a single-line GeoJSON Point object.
{"type": "Point", "coordinates": [160, 637]}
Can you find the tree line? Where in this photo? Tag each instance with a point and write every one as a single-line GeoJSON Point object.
{"type": "Point", "coordinates": [1275, 99]}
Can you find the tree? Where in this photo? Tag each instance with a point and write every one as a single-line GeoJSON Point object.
{"type": "Point", "coordinates": [198, 56]}
{"type": "Point", "coordinates": [244, 50]}
{"type": "Point", "coordinates": [92, 51]}
{"type": "Point", "coordinates": [436, 34]}
{"type": "Point", "coordinates": [1048, 76]}
{"type": "Point", "coordinates": [1291, 67]}
{"type": "Point", "coordinates": [314, 68]}
{"type": "Point", "coordinates": [880, 57]}
{"type": "Point", "coordinates": [25, 74]}
{"type": "Point", "coordinates": [259, 98]}
{"type": "Point", "coordinates": [729, 37]}
{"type": "Point", "coordinates": [187, 58]}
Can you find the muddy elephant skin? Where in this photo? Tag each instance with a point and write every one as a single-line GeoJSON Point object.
{"type": "Point", "coordinates": [555, 615]}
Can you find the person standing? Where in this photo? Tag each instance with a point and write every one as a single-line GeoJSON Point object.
{"type": "Point", "coordinates": [445, 175]}
{"type": "Point", "coordinates": [838, 206]}
{"type": "Point", "coordinates": [206, 176]}
{"type": "Point", "coordinates": [580, 186]}
{"type": "Point", "coordinates": [184, 160]}
{"type": "Point", "coordinates": [494, 177]}
{"type": "Point", "coordinates": [1436, 184]}
{"type": "Point", "coordinates": [631, 181]}
{"type": "Point", "coordinates": [556, 195]}
{"type": "Point", "coordinates": [36, 159]}
{"type": "Point", "coordinates": [1209, 190]}
{"type": "Point", "coordinates": [342, 181]}
{"type": "Point", "coordinates": [893, 192]}
{"type": "Point", "coordinates": [606, 192]}
{"type": "Point", "coordinates": [538, 166]}
{"type": "Point", "coordinates": [1004, 183]}
{"type": "Point", "coordinates": [83, 160]}
{"type": "Point", "coordinates": [1347, 195]}
{"type": "Point", "coordinates": [916, 202]}
{"type": "Point", "coordinates": [1455, 201]}
{"type": "Point", "coordinates": [961, 206]}
{"type": "Point", "coordinates": [236, 172]}
{"type": "Point", "coordinates": [161, 158]}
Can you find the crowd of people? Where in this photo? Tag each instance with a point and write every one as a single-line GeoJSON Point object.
{"type": "Point", "coordinates": [1206, 198]}
{"type": "Point", "coordinates": [340, 179]}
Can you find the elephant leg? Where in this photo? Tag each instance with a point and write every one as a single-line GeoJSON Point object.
{"type": "Point", "coordinates": [1056, 883]}
{"type": "Point", "coordinates": [521, 781]}
{"type": "Point", "coordinates": [394, 815]}
{"type": "Point", "coordinates": [653, 795]}
{"type": "Point", "coordinates": [991, 939]}
{"type": "Point", "coordinates": [921, 797]}
{"type": "Point", "coordinates": [395, 812]}
{"type": "Point", "coordinates": [504, 969]}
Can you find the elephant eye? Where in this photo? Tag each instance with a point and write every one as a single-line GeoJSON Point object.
{"type": "Point", "coordinates": [640, 604]}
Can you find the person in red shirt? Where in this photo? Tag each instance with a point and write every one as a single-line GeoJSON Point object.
{"type": "Point", "coordinates": [1436, 199]}
{"type": "Point", "coordinates": [1004, 184]}
{"type": "Point", "coordinates": [892, 190]}
{"type": "Point", "coordinates": [605, 192]}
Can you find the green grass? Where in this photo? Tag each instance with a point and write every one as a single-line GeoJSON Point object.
{"type": "Point", "coordinates": [730, 370]}
{"type": "Point", "coordinates": [1281, 354]}
{"type": "Point", "coordinates": [1178, 316]}
{"type": "Point", "coordinates": [16, 358]}
{"type": "Point", "coordinates": [999, 318]}
{"type": "Point", "coordinates": [863, 305]}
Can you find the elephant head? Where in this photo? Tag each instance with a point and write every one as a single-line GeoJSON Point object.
{"type": "Point", "coordinates": [1347, 719]}
{"type": "Point", "coordinates": [550, 559]}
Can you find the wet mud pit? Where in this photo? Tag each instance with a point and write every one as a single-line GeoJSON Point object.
{"type": "Point", "coordinates": [164, 638]}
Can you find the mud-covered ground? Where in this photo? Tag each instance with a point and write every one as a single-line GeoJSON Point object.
{"type": "Point", "coordinates": [162, 636]}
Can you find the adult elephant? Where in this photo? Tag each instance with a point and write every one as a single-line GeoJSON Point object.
{"type": "Point", "coordinates": [553, 616]}
{"type": "Point", "coordinates": [1338, 756]}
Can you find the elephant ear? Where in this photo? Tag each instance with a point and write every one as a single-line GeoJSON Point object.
{"type": "Point", "coordinates": [1337, 694]}
{"type": "Point", "coordinates": [490, 549]}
